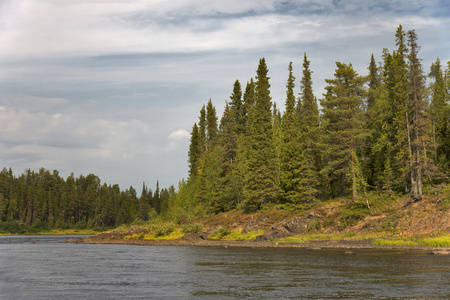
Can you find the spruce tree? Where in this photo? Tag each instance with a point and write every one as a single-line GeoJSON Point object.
{"type": "Point", "coordinates": [249, 102]}
{"type": "Point", "coordinates": [420, 126]}
{"type": "Point", "coordinates": [401, 138]}
{"type": "Point", "coordinates": [371, 124]}
{"type": "Point", "coordinates": [291, 151]}
{"type": "Point", "coordinates": [211, 125]}
{"type": "Point", "coordinates": [374, 84]}
{"type": "Point", "coordinates": [237, 106]}
{"type": "Point", "coordinates": [260, 181]}
{"type": "Point", "coordinates": [310, 134]}
{"type": "Point", "coordinates": [440, 117]}
{"type": "Point", "coordinates": [202, 129]}
{"type": "Point", "coordinates": [195, 151]}
{"type": "Point", "coordinates": [344, 132]}
{"type": "Point", "coordinates": [227, 188]}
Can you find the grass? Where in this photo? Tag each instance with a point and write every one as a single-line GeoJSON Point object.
{"type": "Point", "coordinates": [236, 235]}
{"type": "Point", "coordinates": [70, 231]}
{"type": "Point", "coordinates": [220, 233]}
{"type": "Point", "coordinates": [226, 234]}
{"type": "Point", "coordinates": [59, 232]}
{"type": "Point", "coordinates": [332, 237]}
{"type": "Point", "coordinates": [436, 241]}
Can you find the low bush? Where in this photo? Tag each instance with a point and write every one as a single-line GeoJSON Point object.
{"type": "Point", "coordinates": [163, 229]}
{"type": "Point", "coordinates": [192, 228]}
{"type": "Point", "coordinates": [220, 233]}
{"type": "Point", "coordinates": [12, 228]}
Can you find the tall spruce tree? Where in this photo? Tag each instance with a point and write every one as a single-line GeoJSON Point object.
{"type": "Point", "coordinates": [310, 133]}
{"type": "Point", "coordinates": [401, 111]}
{"type": "Point", "coordinates": [260, 181]}
{"type": "Point", "coordinates": [440, 117]}
{"type": "Point", "coordinates": [291, 151]}
{"type": "Point", "coordinates": [419, 130]}
{"type": "Point", "coordinates": [373, 94]}
{"type": "Point", "coordinates": [202, 129]}
{"type": "Point", "coordinates": [227, 191]}
{"type": "Point", "coordinates": [195, 151]}
{"type": "Point", "coordinates": [344, 132]}
{"type": "Point", "coordinates": [237, 106]}
{"type": "Point", "coordinates": [206, 183]}
{"type": "Point", "coordinates": [249, 102]}
{"type": "Point", "coordinates": [211, 125]}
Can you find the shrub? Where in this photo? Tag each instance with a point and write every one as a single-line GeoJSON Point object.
{"type": "Point", "coordinates": [351, 217]}
{"type": "Point", "coordinates": [12, 228]}
{"type": "Point", "coordinates": [163, 230]}
{"type": "Point", "coordinates": [220, 232]}
{"type": "Point", "coordinates": [192, 228]}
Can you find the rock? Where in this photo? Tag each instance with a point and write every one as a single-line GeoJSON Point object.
{"type": "Point", "coordinates": [315, 248]}
{"type": "Point", "coordinates": [196, 236]}
{"type": "Point", "coordinates": [284, 229]}
{"type": "Point", "coordinates": [261, 238]}
{"type": "Point", "coordinates": [254, 225]}
{"type": "Point", "coordinates": [439, 252]}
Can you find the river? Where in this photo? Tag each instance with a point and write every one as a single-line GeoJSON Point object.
{"type": "Point", "coordinates": [40, 267]}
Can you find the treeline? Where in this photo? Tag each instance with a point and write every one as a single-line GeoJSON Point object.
{"type": "Point", "coordinates": [43, 200]}
{"type": "Point", "coordinates": [387, 132]}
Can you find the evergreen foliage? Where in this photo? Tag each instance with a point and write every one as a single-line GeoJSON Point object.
{"type": "Point", "coordinates": [375, 132]}
{"type": "Point", "coordinates": [386, 132]}
{"type": "Point", "coordinates": [343, 129]}
{"type": "Point", "coordinates": [260, 179]}
{"type": "Point", "coordinates": [44, 200]}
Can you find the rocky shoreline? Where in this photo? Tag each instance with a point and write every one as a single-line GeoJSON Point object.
{"type": "Point", "coordinates": [314, 245]}
{"type": "Point", "coordinates": [409, 219]}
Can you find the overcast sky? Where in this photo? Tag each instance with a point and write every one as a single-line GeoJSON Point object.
{"type": "Point", "coordinates": [113, 87]}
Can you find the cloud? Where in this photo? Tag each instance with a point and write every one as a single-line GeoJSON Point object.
{"type": "Point", "coordinates": [179, 134]}
{"type": "Point", "coordinates": [113, 87]}
{"type": "Point", "coordinates": [66, 28]}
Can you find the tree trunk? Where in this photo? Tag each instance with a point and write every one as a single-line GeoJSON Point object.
{"type": "Point", "coordinates": [411, 163]}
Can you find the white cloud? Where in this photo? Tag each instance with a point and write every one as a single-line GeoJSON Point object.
{"type": "Point", "coordinates": [179, 134]}
{"type": "Point", "coordinates": [113, 86]}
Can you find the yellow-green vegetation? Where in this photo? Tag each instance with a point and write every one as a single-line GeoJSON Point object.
{"type": "Point", "coordinates": [70, 231]}
{"type": "Point", "coordinates": [378, 239]}
{"type": "Point", "coordinates": [173, 235]}
{"type": "Point", "coordinates": [59, 232]}
{"type": "Point", "coordinates": [226, 234]}
{"type": "Point", "coordinates": [436, 241]}
{"type": "Point", "coordinates": [192, 228]}
{"type": "Point", "coordinates": [323, 237]}
{"type": "Point", "coordinates": [160, 231]}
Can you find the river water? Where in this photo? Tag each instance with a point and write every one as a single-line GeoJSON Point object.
{"type": "Point", "coordinates": [39, 267]}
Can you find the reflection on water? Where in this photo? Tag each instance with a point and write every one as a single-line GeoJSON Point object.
{"type": "Point", "coordinates": [38, 267]}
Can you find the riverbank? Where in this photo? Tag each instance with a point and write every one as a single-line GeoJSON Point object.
{"type": "Point", "coordinates": [395, 223]}
{"type": "Point", "coordinates": [313, 245]}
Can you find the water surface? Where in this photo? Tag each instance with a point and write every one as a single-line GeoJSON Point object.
{"type": "Point", "coordinates": [38, 267]}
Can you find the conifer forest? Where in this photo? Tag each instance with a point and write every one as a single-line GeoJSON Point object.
{"type": "Point", "coordinates": [387, 131]}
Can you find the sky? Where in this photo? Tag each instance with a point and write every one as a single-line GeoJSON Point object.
{"type": "Point", "coordinates": [113, 87]}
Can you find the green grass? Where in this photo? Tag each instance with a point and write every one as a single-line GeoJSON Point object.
{"type": "Point", "coordinates": [219, 233]}
{"type": "Point", "coordinates": [437, 241]}
{"type": "Point", "coordinates": [236, 235]}
{"type": "Point", "coordinates": [349, 236]}
{"type": "Point", "coordinates": [395, 242]}
{"type": "Point", "coordinates": [59, 232]}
